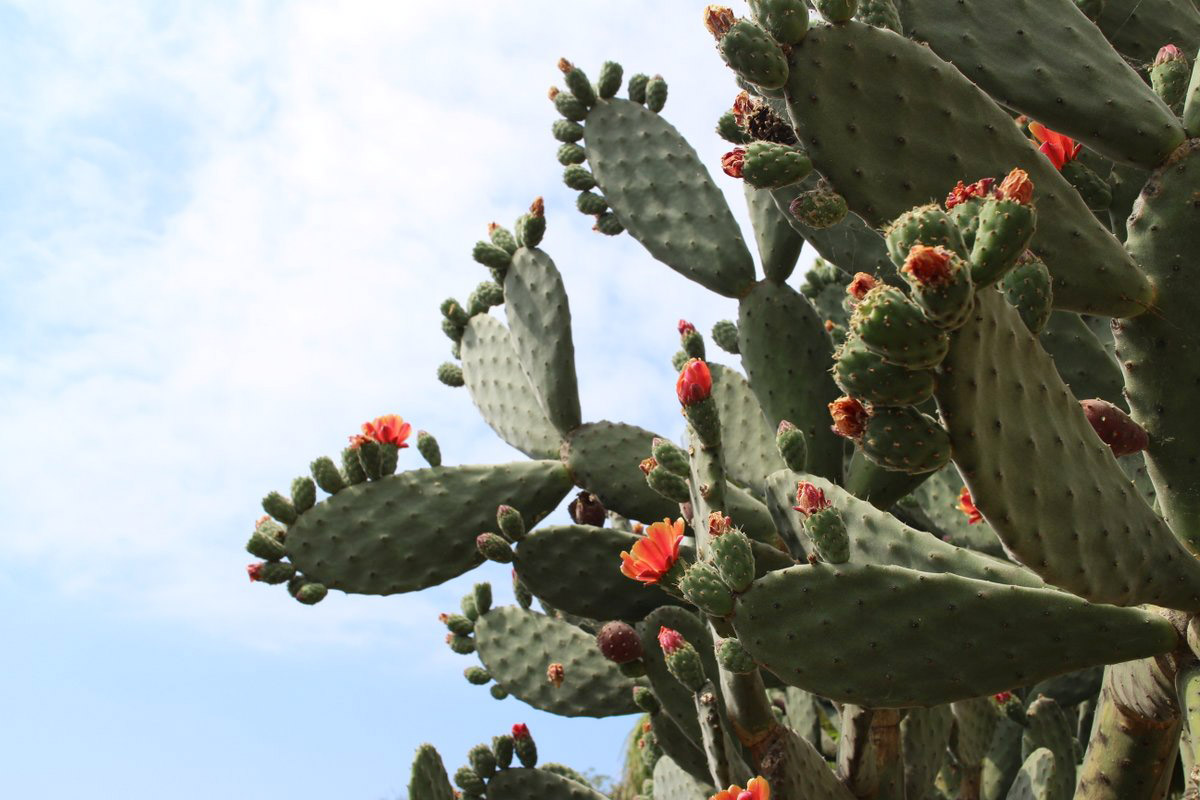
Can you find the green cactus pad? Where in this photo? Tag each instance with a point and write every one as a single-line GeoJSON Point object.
{"type": "Point", "coordinates": [852, 244]}
{"type": "Point", "coordinates": [429, 780]}
{"type": "Point", "coordinates": [742, 422]}
{"type": "Point", "coordinates": [1037, 779]}
{"type": "Point", "coordinates": [1159, 353]}
{"type": "Point", "coordinates": [576, 568]}
{"type": "Point", "coordinates": [871, 138]}
{"type": "Point", "coordinates": [786, 353]}
{"type": "Point", "coordinates": [1049, 487]}
{"type": "Point", "coordinates": [672, 782]}
{"type": "Point", "coordinates": [516, 646]}
{"type": "Point", "coordinates": [1001, 762]}
{"type": "Point", "coordinates": [778, 242]}
{"type": "Point", "coordinates": [975, 720]}
{"type": "Point", "coordinates": [881, 14]}
{"type": "Point", "coordinates": [924, 733]}
{"type": "Point", "coordinates": [800, 771]}
{"type": "Point", "coordinates": [536, 784]}
{"type": "Point", "coordinates": [1028, 288]}
{"type": "Point", "coordinates": [416, 529]}
{"type": "Point", "coordinates": [1138, 28]}
{"type": "Point", "coordinates": [878, 538]}
{"type": "Point", "coordinates": [539, 321]}
{"type": "Point", "coordinates": [1082, 360]}
{"type": "Point", "coordinates": [938, 498]}
{"type": "Point", "coordinates": [1050, 728]}
{"type": "Point", "coordinates": [501, 391]}
{"type": "Point", "coordinates": [675, 745]}
{"type": "Point", "coordinates": [880, 487]}
{"type": "Point", "coordinates": [890, 637]}
{"type": "Point", "coordinates": [603, 458]}
{"type": "Point", "coordinates": [1059, 70]}
{"type": "Point", "coordinates": [661, 193]}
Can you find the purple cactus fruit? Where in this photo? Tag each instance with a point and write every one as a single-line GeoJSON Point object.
{"type": "Point", "coordinates": [619, 642]}
{"type": "Point", "coordinates": [1115, 428]}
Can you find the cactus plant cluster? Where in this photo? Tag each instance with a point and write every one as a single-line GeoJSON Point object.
{"type": "Point", "coordinates": [940, 539]}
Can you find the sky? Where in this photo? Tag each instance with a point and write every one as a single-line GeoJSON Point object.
{"type": "Point", "coordinates": [227, 228]}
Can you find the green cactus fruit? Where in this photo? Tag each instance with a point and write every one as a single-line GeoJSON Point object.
{"type": "Point", "coordinates": [671, 457]}
{"type": "Point", "coordinates": [267, 540]}
{"type": "Point", "coordinates": [619, 643]}
{"type": "Point", "coordinates": [484, 296]}
{"type": "Point", "coordinates": [477, 676]}
{"type": "Point", "coordinates": [469, 608]}
{"type": "Point", "coordinates": [753, 55]}
{"type": "Point", "coordinates": [666, 483]}
{"type": "Point", "coordinates": [649, 750]}
{"type": "Point", "coordinates": [905, 440]}
{"type": "Point", "coordinates": [370, 456]}
{"type": "Point", "coordinates": [793, 448]}
{"type": "Point", "coordinates": [502, 238]}
{"type": "Point", "coordinates": [965, 215]}
{"type": "Point", "coordinates": [578, 178]}
{"type": "Point", "coordinates": [295, 582]}
{"type": "Point", "coordinates": [482, 593]}
{"type": "Point", "coordinates": [729, 130]}
{"type": "Point", "coordinates": [272, 572]}
{"type": "Point", "coordinates": [941, 284]}
{"type": "Point", "coordinates": [531, 227]}
{"type": "Point", "coordinates": [494, 548]}
{"type": "Point", "coordinates": [633, 669]}
{"type": "Point", "coordinates": [767, 165]}
{"type": "Point", "coordinates": [304, 494]}
{"type": "Point", "coordinates": [510, 522]}
{"type": "Point", "coordinates": [524, 746]}
{"type": "Point", "coordinates": [327, 476]}
{"type": "Point", "coordinates": [448, 373]}
{"type": "Point", "coordinates": [427, 446]}
{"type": "Point", "coordinates": [889, 324]}
{"type": "Point", "coordinates": [352, 467]}
{"type": "Point", "coordinates": [819, 208]}
{"type": "Point", "coordinates": [881, 14]}
{"type": "Point", "coordinates": [568, 105]}
{"type": "Point", "coordinates": [864, 375]}
{"type": "Point", "coordinates": [656, 93]}
{"type": "Point", "coordinates": [591, 203]}
{"type": "Point", "coordinates": [725, 334]}
{"type": "Point", "coordinates": [1006, 224]}
{"type": "Point", "coordinates": [1092, 9]}
{"type": "Point", "coordinates": [690, 340]}
{"type": "Point", "coordinates": [609, 81]}
{"type": "Point", "coordinates": [683, 662]}
{"type": "Point", "coordinates": [483, 760]}
{"type": "Point", "coordinates": [457, 623]}
{"type": "Point", "coordinates": [280, 508]}
{"type": "Point", "coordinates": [311, 593]}
{"type": "Point", "coordinates": [679, 359]}
{"type": "Point", "coordinates": [463, 645]}
{"type": "Point", "coordinates": [498, 691]}
{"type": "Point", "coordinates": [827, 530]}
{"type": "Point", "coordinates": [785, 20]}
{"type": "Point", "coordinates": [644, 698]}
{"type": "Point", "coordinates": [1169, 76]}
{"type": "Point", "coordinates": [838, 10]}
{"type": "Point", "coordinates": [928, 225]}
{"type": "Point", "coordinates": [701, 584]}
{"type": "Point", "coordinates": [608, 224]}
{"type": "Point", "coordinates": [453, 311]}
{"type": "Point", "coordinates": [566, 131]}
{"type": "Point", "coordinates": [733, 559]}
{"type": "Point", "coordinates": [466, 779]}
{"type": "Point", "coordinates": [571, 153]}
{"type": "Point", "coordinates": [734, 658]}
{"type": "Point", "coordinates": [1029, 288]}
{"type": "Point", "coordinates": [453, 331]}
{"type": "Point", "coordinates": [1094, 190]}
{"type": "Point", "coordinates": [491, 255]}
{"type": "Point", "coordinates": [521, 592]}
{"type": "Point", "coordinates": [502, 746]}
{"type": "Point", "coordinates": [637, 87]}
{"type": "Point", "coordinates": [577, 82]}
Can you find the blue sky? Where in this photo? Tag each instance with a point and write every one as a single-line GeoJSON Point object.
{"type": "Point", "coordinates": [227, 228]}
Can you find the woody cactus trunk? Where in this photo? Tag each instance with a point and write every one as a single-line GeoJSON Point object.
{"type": "Point", "coordinates": [938, 537]}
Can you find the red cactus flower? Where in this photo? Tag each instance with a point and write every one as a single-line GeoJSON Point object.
{"type": "Point", "coordinates": [810, 499]}
{"type": "Point", "coordinates": [254, 571]}
{"type": "Point", "coordinates": [849, 417]}
{"type": "Point", "coordinates": [731, 162]}
{"type": "Point", "coordinates": [655, 554]}
{"type": "Point", "coordinates": [1002, 697]}
{"type": "Point", "coordinates": [670, 640]}
{"type": "Point", "coordinates": [555, 674]}
{"type": "Point", "coordinates": [388, 429]}
{"type": "Point", "coordinates": [1058, 148]}
{"type": "Point", "coordinates": [967, 506]}
{"type": "Point", "coordinates": [1168, 52]}
{"type": "Point", "coordinates": [719, 524]}
{"type": "Point", "coordinates": [929, 266]}
{"type": "Point", "coordinates": [647, 465]}
{"type": "Point", "coordinates": [694, 384]}
{"type": "Point", "coordinates": [686, 327]}
{"type": "Point", "coordinates": [962, 193]}
{"type": "Point", "coordinates": [520, 731]}
{"type": "Point", "coordinates": [863, 282]}
{"type": "Point", "coordinates": [756, 789]}
{"type": "Point", "coordinates": [1017, 186]}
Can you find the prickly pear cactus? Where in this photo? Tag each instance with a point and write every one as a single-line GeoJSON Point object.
{"type": "Point", "coordinates": [938, 536]}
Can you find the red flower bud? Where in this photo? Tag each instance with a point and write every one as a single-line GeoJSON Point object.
{"type": "Point", "coordinates": [1169, 52]}
{"type": "Point", "coordinates": [731, 162]}
{"type": "Point", "coordinates": [254, 570]}
{"type": "Point", "coordinates": [962, 193]}
{"type": "Point", "coordinates": [810, 499]}
{"type": "Point", "coordinates": [670, 640]}
{"type": "Point", "coordinates": [694, 384]}
{"type": "Point", "coordinates": [520, 731]}
{"type": "Point", "coordinates": [686, 327]}
{"type": "Point", "coordinates": [555, 674]}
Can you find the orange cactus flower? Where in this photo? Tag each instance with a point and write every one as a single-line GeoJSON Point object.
{"type": "Point", "coordinates": [654, 555]}
{"type": "Point", "coordinates": [928, 266]}
{"type": "Point", "coordinates": [1017, 186]}
{"type": "Point", "coordinates": [962, 193]}
{"type": "Point", "coordinates": [388, 429]}
{"type": "Point", "coordinates": [756, 789]}
{"type": "Point", "coordinates": [731, 162]}
{"type": "Point", "coordinates": [1055, 146]}
{"type": "Point", "coordinates": [810, 499]}
{"type": "Point", "coordinates": [849, 417]}
{"type": "Point", "coordinates": [863, 282]}
{"type": "Point", "coordinates": [967, 506]}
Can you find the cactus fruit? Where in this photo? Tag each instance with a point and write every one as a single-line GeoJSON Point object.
{"type": "Point", "coordinates": [1037, 594]}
